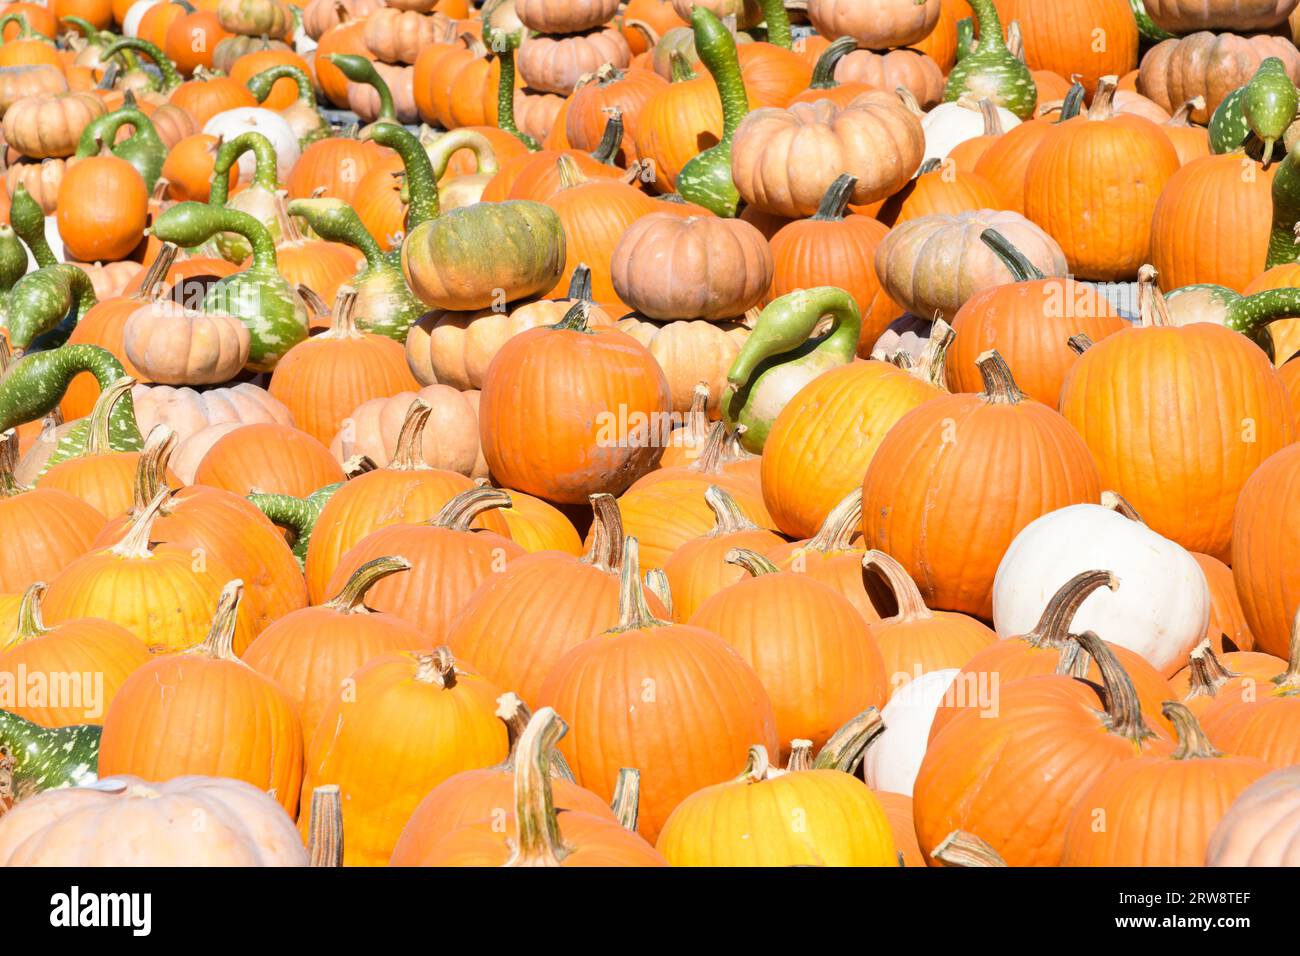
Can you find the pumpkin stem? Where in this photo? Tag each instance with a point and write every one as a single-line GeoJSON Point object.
{"type": "Point", "coordinates": [537, 838]}
{"type": "Point", "coordinates": [801, 756]}
{"type": "Point", "coordinates": [151, 469]}
{"type": "Point", "coordinates": [633, 612]}
{"type": "Point", "coordinates": [1053, 627]}
{"type": "Point", "coordinates": [99, 437]}
{"type": "Point", "coordinates": [848, 745]}
{"type": "Point", "coordinates": [580, 284]}
{"type": "Point", "coordinates": [611, 140]}
{"type": "Point", "coordinates": [325, 830]}
{"type": "Point", "coordinates": [570, 174]}
{"type": "Point", "coordinates": [656, 582]}
{"type": "Point", "coordinates": [437, 667]}
{"type": "Point", "coordinates": [458, 513]}
{"type": "Point", "coordinates": [1021, 269]}
{"type": "Point", "coordinates": [9, 483]}
{"type": "Point", "coordinates": [343, 324]}
{"type": "Point", "coordinates": [1182, 115]}
{"type": "Point", "coordinates": [823, 77]}
{"type": "Point", "coordinates": [30, 624]}
{"type": "Point", "coordinates": [835, 201]}
{"type": "Point", "coordinates": [351, 599]}
{"type": "Point", "coordinates": [135, 543]}
{"type": "Point", "coordinates": [757, 766]}
{"type": "Point", "coordinates": [841, 524]}
{"type": "Point", "coordinates": [1114, 501]}
{"type": "Point", "coordinates": [606, 551]}
{"type": "Point", "coordinates": [1072, 105]}
{"type": "Point", "coordinates": [1153, 309]}
{"type": "Point", "coordinates": [992, 118]}
{"type": "Point", "coordinates": [1123, 710]}
{"type": "Point", "coordinates": [753, 562]}
{"type": "Point", "coordinates": [932, 366]}
{"type": "Point", "coordinates": [627, 798]}
{"type": "Point", "coordinates": [728, 517]}
{"type": "Point", "coordinates": [1079, 343]}
{"type": "Point", "coordinates": [909, 100]}
{"type": "Point", "coordinates": [1103, 100]}
{"type": "Point", "coordinates": [649, 33]}
{"type": "Point", "coordinates": [220, 642]}
{"type": "Point", "coordinates": [999, 386]}
{"type": "Point", "coordinates": [911, 606]}
{"type": "Point", "coordinates": [713, 453]}
{"type": "Point", "coordinates": [153, 285]}
{"type": "Point", "coordinates": [409, 454]}
{"type": "Point", "coordinates": [1289, 680]}
{"type": "Point", "coordinates": [575, 320]}
{"type": "Point", "coordinates": [514, 713]}
{"type": "Point", "coordinates": [1206, 673]}
{"type": "Point", "coordinates": [1193, 744]}
{"type": "Point", "coordinates": [963, 849]}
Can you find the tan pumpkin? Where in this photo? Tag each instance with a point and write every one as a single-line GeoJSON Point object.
{"type": "Point", "coordinates": [565, 16]}
{"type": "Point", "coordinates": [691, 353]}
{"type": "Point", "coordinates": [41, 180]}
{"type": "Point", "coordinates": [30, 80]}
{"type": "Point", "coordinates": [173, 345]}
{"type": "Point", "coordinates": [554, 64]}
{"type": "Point", "coordinates": [49, 126]}
{"type": "Point", "coordinates": [884, 23]}
{"type": "Point", "coordinates": [450, 440]}
{"type": "Point", "coordinates": [397, 36]}
{"type": "Point", "coordinates": [891, 69]}
{"type": "Point", "coordinates": [1208, 65]}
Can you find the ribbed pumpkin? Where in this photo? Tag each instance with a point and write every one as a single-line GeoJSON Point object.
{"type": "Point", "coordinates": [514, 630]}
{"type": "Point", "coordinates": [206, 712]}
{"type": "Point", "coordinates": [1025, 767]}
{"type": "Point", "coordinates": [412, 720]}
{"type": "Point", "coordinates": [88, 646]}
{"type": "Point", "coordinates": [624, 90]}
{"type": "Point", "coordinates": [335, 165]}
{"type": "Point", "coordinates": [1227, 630]}
{"type": "Point", "coordinates": [278, 459]}
{"type": "Point", "coordinates": [1091, 38]}
{"type": "Point", "coordinates": [1030, 322]}
{"type": "Point", "coordinates": [1006, 160]}
{"type": "Point", "coordinates": [1093, 185]}
{"type": "Point", "coordinates": [324, 378]}
{"type": "Point", "coordinates": [53, 526]}
{"type": "Point", "coordinates": [825, 437]}
{"type": "Point", "coordinates": [932, 494]}
{"type": "Point", "coordinates": [1208, 676]}
{"type": "Point", "coordinates": [205, 96]}
{"type": "Point", "coordinates": [537, 526]}
{"type": "Point", "coordinates": [600, 393]}
{"type": "Point", "coordinates": [917, 640]}
{"type": "Point", "coordinates": [813, 652]}
{"type": "Point", "coordinates": [1203, 229]}
{"type": "Point", "coordinates": [1177, 419]}
{"type": "Point", "coordinates": [406, 490]}
{"type": "Point", "coordinates": [1264, 567]}
{"type": "Point", "coordinates": [164, 594]}
{"type": "Point", "coordinates": [449, 561]}
{"type": "Point", "coordinates": [1260, 827]}
{"type": "Point", "coordinates": [831, 248]}
{"type": "Point", "coordinates": [674, 701]}
{"type": "Point", "coordinates": [939, 189]}
{"type": "Point", "coordinates": [1159, 810]}
{"type": "Point", "coordinates": [311, 652]}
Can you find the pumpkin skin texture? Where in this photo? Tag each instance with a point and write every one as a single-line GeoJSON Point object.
{"type": "Point", "coordinates": [564, 16]}
{"type": "Point", "coordinates": [746, 822]}
{"type": "Point", "coordinates": [554, 64]}
{"type": "Point", "coordinates": [824, 439]}
{"type": "Point", "coordinates": [1017, 776]}
{"type": "Point", "coordinates": [1263, 557]}
{"type": "Point", "coordinates": [783, 161]}
{"type": "Point", "coordinates": [706, 700]}
{"type": "Point", "coordinates": [414, 720]}
{"type": "Point", "coordinates": [1183, 475]}
{"type": "Point", "coordinates": [911, 69]}
{"type": "Point", "coordinates": [572, 378]}
{"type": "Point", "coordinates": [1100, 209]}
{"type": "Point", "coordinates": [1212, 199]}
{"type": "Point", "coordinates": [1227, 630]}
{"type": "Point", "coordinates": [277, 459]}
{"type": "Point", "coordinates": [102, 230]}
{"type": "Point", "coordinates": [135, 823]}
{"type": "Point", "coordinates": [1209, 65]}
{"type": "Point", "coordinates": [1159, 811]}
{"type": "Point", "coordinates": [914, 493]}
{"type": "Point", "coordinates": [1063, 38]}
{"type": "Point", "coordinates": [885, 24]}
{"type": "Point", "coordinates": [205, 711]}
{"type": "Point", "coordinates": [1262, 827]}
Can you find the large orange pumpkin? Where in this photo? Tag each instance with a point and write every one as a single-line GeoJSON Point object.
{"type": "Point", "coordinates": [1263, 557]}
{"type": "Point", "coordinates": [278, 459]}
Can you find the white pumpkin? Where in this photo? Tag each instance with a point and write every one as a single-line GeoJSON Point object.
{"type": "Point", "coordinates": [951, 123]}
{"type": "Point", "coordinates": [134, 14]}
{"type": "Point", "coordinates": [244, 119]}
{"type": "Point", "coordinates": [1160, 609]}
{"type": "Point", "coordinates": [894, 758]}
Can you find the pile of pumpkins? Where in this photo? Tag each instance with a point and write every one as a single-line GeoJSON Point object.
{"type": "Point", "coordinates": [672, 432]}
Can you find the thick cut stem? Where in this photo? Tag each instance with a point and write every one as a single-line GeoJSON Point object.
{"type": "Point", "coordinates": [848, 746]}
{"type": "Point", "coordinates": [1053, 627]}
{"type": "Point", "coordinates": [409, 454]}
{"type": "Point", "coordinates": [1193, 744]}
{"type": "Point", "coordinates": [841, 524]}
{"type": "Point", "coordinates": [963, 849]}
{"type": "Point", "coordinates": [459, 513]}
{"type": "Point", "coordinates": [911, 606]}
{"type": "Point", "coordinates": [351, 600]}
{"type": "Point", "coordinates": [537, 838]}
{"type": "Point", "coordinates": [99, 439]}
{"type": "Point", "coordinates": [1206, 673]}
{"type": "Point", "coordinates": [835, 201]}
{"type": "Point", "coordinates": [627, 798]}
{"type": "Point", "coordinates": [633, 612]}
{"type": "Point", "coordinates": [999, 386]}
{"type": "Point", "coordinates": [325, 833]}
{"type": "Point", "coordinates": [135, 543]}
{"type": "Point", "coordinates": [753, 562]}
{"type": "Point", "coordinates": [606, 551]}
{"type": "Point", "coordinates": [1021, 269]}
{"type": "Point", "coordinates": [220, 642]}
{"type": "Point", "coordinates": [728, 518]}
{"type": "Point", "coordinates": [1123, 710]}
{"type": "Point", "coordinates": [30, 624]}
{"type": "Point", "coordinates": [438, 667]}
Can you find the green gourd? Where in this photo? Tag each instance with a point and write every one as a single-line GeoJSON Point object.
{"type": "Point", "coordinates": [1251, 315]}
{"type": "Point", "coordinates": [777, 22]}
{"type": "Point", "coordinates": [1148, 28]}
{"type": "Point", "coordinates": [28, 221]}
{"type": "Point", "coordinates": [706, 179]}
{"type": "Point", "coordinates": [303, 115]}
{"type": "Point", "coordinates": [296, 515]}
{"type": "Point", "coordinates": [47, 758]}
{"type": "Point", "coordinates": [780, 357]}
{"type": "Point", "coordinates": [358, 69]}
{"type": "Point", "coordinates": [259, 296]}
{"type": "Point", "coordinates": [13, 259]}
{"type": "Point", "coordinates": [504, 45]}
{"type": "Point", "coordinates": [1264, 108]}
{"type": "Point", "coordinates": [965, 38]}
{"type": "Point", "coordinates": [40, 301]}
{"type": "Point", "coordinates": [144, 149]}
{"type": "Point", "coordinates": [1283, 243]}
{"type": "Point", "coordinates": [420, 183]}
{"type": "Point", "coordinates": [258, 199]}
{"type": "Point", "coordinates": [991, 70]}
{"type": "Point", "coordinates": [36, 383]}
{"type": "Point", "coordinates": [170, 77]}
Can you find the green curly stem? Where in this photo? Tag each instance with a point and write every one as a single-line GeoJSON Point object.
{"type": "Point", "coordinates": [144, 150]}
{"type": "Point", "coordinates": [1021, 269]}
{"type": "Point", "coordinates": [823, 77]}
{"type": "Point", "coordinates": [1251, 315]}
{"type": "Point", "coordinates": [264, 170]}
{"type": "Point", "coordinates": [28, 221]}
{"type": "Point", "coordinates": [42, 299]}
{"type": "Point", "coordinates": [706, 179]}
{"type": "Point", "coordinates": [296, 515]}
{"type": "Point", "coordinates": [991, 70]}
{"type": "Point", "coordinates": [420, 181]}
{"type": "Point", "coordinates": [171, 78]}
{"type": "Point", "coordinates": [506, 98]}
{"type": "Point", "coordinates": [25, 31]}
{"type": "Point", "coordinates": [261, 84]}
{"type": "Point", "coordinates": [358, 69]}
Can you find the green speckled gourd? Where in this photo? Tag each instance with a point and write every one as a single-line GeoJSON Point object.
{"type": "Point", "coordinates": [991, 70]}
{"type": "Point", "coordinates": [41, 301]}
{"type": "Point", "coordinates": [1265, 107]}
{"type": "Point", "coordinates": [258, 199]}
{"type": "Point", "coordinates": [170, 77]}
{"type": "Point", "coordinates": [1283, 241]}
{"type": "Point", "coordinates": [302, 115]}
{"type": "Point", "coordinates": [259, 296]}
{"type": "Point", "coordinates": [1148, 28]}
{"type": "Point", "coordinates": [296, 515]}
{"type": "Point", "coordinates": [780, 357]}
{"type": "Point", "coordinates": [36, 758]}
{"type": "Point", "coordinates": [35, 384]}
{"type": "Point", "coordinates": [504, 45]}
{"type": "Point", "coordinates": [28, 221]}
{"type": "Point", "coordinates": [1251, 315]}
{"type": "Point", "coordinates": [966, 42]}
{"type": "Point", "coordinates": [776, 20]}
{"type": "Point", "coordinates": [13, 258]}
{"type": "Point", "coordinates": [422, 188]}
{"type": "Point", "coordinates": [706, 179]}
{"type": "Point", "coordinates": [143, 149]}
{"type": "Point", "coordinates": [358, 69]}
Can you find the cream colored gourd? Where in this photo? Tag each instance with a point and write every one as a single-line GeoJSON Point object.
{"type": "Point", "coordinates": [894, 757]}
{"type": "Point", "coordinates": [950, 124]}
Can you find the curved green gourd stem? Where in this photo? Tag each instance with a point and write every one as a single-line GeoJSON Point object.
{"type": "Point", "coordinates": [506, 90]}
{"type": "Point", "coordinates": [170, 77]}
{"type": "Point", "coordinates": [42, 299]}
{"type": "Point", "coordinates": [25, 31]}
{"type": "Point", "coordinates": [297, 515]}
{"type": "Point", "coordinates": [420, 181]}
{"type": "Point", "coordinates": [28, 220]}
{"type": "Point", "coordinates": [360, 70]}
{"type": "Point", "coordinates": [49, 758]}
{"type": "Point", "coordinates": [1269, 104]}
{"type": "Point", "coordinates": [1251, 315]}
{"type": "Point", "coordinates": [706, 179]}
{"type": "Point", "coordinates": [335, 221]}
{"type": "Point", "coordinates": [823, 77]}
{"type": "Point", "coordinates": [777, 21]}
{"type": "Point", "coordinates": [264, 169]}
{"type": "Point", "coordinates": [991, 70]}
{"type": "Point", "coordinates": [1283, 242]}
{"type": "Point", "coordinates": [88, 29]}
{"type": "Point", "coordinates": [144, 150]}
{"type": "Point", "coordinates": [261, 84]}
{"type": "Point", "coordinates": [965, 37]}
{"type": "Point", "coordinates": [1148, 28]}
{"type": "Point", "coordinates": [36, 383]}
{"type": "Point", "coordinates": [259, 296]}
{"type": "Point", "coordinates": [1021, 269]}
{"type": "Point", "coordinates": [441, 150]}
{"type": "Point", "coordinates": [13, 258]}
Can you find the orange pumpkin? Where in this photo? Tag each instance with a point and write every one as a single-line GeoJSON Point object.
{"type": "Point", "coordinates": [278, 459]}
{"type": "Point", "coordinates": [109, 228]}
{"type": "Point", "coordinates": [191, 41]}
{"type": "Point", "coordinates": [1236, 674]}
{"type": "Point", "coordinates": [1263, 550]}
{"type": "Point", "coordinates": [1227, 630]}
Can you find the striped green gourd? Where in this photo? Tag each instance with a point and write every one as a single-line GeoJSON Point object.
{"type": "Point", "coordinates": [296, 515]}
{"type": "Point", "coordinates": [134, 45]}
{"type": "Point", "coordinates": [51, 298]}
{"type": "Point", "coordinates": [258, 199]}
{"type": "Point", "coordinates": [34, 759]}
{"type": "Point", "coordinates": [303, 115]}
{"type": "Point", "coordinates": [1264, 108]}
{"type": "Point", "coordinates": [991, 70]}
{"type": "Point", "coordinates": [706, 179]}
{"type": "Point", "coordinates": [143, 149]}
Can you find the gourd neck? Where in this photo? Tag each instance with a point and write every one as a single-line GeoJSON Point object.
{"type": "Point", "coordinates": [261, 84]}
{"type": "Point", "coordinates": [171, 78]}
{"type": "Point", "coordinates": [264, 169]}
{"type": "Point", "coordinates": [359, 69]}
{"type": "Point", "coordinates": [716, 47]}
{"type": "Point", "coordinates": [447, 145]}
{"type": "Point", "coordinates": [506, 97]}
{"type": "Point", "coordinates": [989, 25]}
{"type": "Point", "coordinates": [777, 21]}
{"type": "Point", "coordinates": [336, 221]}
{"type": "Point", "coordinates": [420, 183]}
{"type": "Point", "coordinates": [787, 324]}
